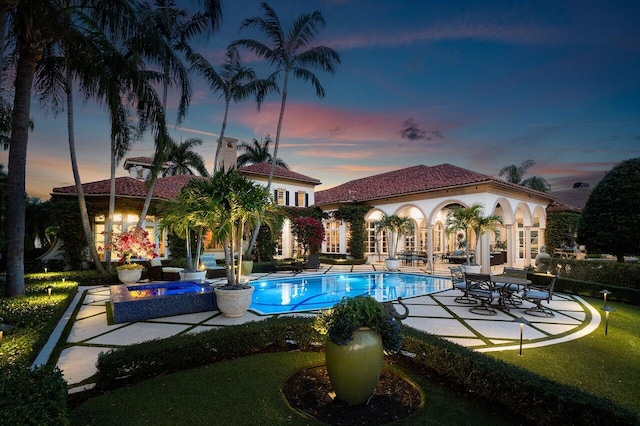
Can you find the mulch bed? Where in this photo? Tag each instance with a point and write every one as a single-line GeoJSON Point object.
{"type": "Point", "coordinates": [309, 391]}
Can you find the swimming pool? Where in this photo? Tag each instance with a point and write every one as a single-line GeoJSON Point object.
{"type": "Point", "coordinates": [309, 293]}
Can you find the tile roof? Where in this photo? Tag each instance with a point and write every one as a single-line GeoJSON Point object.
{"type": "Point", "coordinates": [166, 188]}
{"type": "Point", "coordinates": [406, 181]}
{"type": "Point", "coordinates": [263, 169]}
{"type": "Point", "coordinates": [571, 200]}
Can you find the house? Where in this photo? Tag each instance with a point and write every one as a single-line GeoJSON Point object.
{"type": "Point", "coordinates": [423, 193]}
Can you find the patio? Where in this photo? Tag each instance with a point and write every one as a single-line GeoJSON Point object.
{"type": "Point", "coordinates": [437, 314]}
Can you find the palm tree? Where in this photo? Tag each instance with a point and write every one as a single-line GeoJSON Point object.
{"type": "Point", "coordinates": [34, 25]}
{"type": "Point", "coordinates": [287, 52]}
{"type": "Point", "coordinates": [235, 82]}
{"type": "Point", "coordinates": [165, 44]}
{"type": "Point", "coordinates": [515, 174]}
{"type": "Point", "coordinates": [182, 159]}
{"type": "Point", "coordinates": [257, 152]}
{"type": "Point", "coordinates": [465, 218]}
{"type": "Point", "coordinates": [394, 226]}
{"type": "Point", "coordinates": [288, 55]}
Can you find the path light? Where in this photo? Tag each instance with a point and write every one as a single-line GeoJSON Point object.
{"type": "Point", "coordinates": [64, 279]}
{"type": "Point", "coordinates": [523, 322]}
{"type": "Point", "coordinates": [49, 290]}
{"type": "Point", "coordinates": [607, 309]}
{"type": "Point", "coordinates": [5, 328]}
{"type": "Point", "coordinates": [45, 269]}
{"type": "Point", "coordinates": [604, 294]}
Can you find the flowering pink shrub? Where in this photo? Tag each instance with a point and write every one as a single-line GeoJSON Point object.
{"type": "Point", "coordinates": [133, 243]}
{"type": "Point", "coordinates": [309, 232]}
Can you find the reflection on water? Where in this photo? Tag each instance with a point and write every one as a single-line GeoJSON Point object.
{"type": "Point", "coordinates": [318, 292]}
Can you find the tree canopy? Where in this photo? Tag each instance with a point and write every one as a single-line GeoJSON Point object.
{"type": "Point", "coordinates": [610, 219]}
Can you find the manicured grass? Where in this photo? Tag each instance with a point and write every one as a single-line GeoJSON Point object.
{"type": "Point", "coordinates": [605, 365]}
{"type": "Point", "coordinates": [246, 391]}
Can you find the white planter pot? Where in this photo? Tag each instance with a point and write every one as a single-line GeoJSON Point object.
{"type": "Point", "coordinates": [472, 269]}
{"type": "Point", "coordinates": [193, 275]}
{"type": "Point", "coordinates": [129, 276]}
{"type": "Point", "coordinates": [392, 264]}
{"type": "Point", "coordinates": [233, 303]}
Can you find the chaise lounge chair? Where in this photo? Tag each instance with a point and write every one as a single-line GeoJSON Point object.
{"type": "Point", "coordinates": [296, 268]}
{"type": "Point", "coordinates": [313, 262]}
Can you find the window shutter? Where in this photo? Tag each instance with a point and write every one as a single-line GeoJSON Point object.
{"type": "Point", "coordinates": [296, 198]}
{"type": "Point", "coordinates": [286, 203]}
{"type": "Point", "coordinates": [275, 195]}
{"type": "Point", "coordinates": [306, 200]}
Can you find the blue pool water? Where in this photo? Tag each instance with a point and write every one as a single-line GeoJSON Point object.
{"type": "Point", "coordinates": [307, 293]}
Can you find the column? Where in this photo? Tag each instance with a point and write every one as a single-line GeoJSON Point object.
{"type": "Point", "coordinates": [527, 246]}
{"type": "Point", "coordinates": [511, 245]}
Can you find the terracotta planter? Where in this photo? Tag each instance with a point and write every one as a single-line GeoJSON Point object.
{"type": "Point", "coordinates": [129, 276]}
{"type": "Point", "coordinates": [354, 368]}
{"type": "Point", "coordinates": [233, 303]}
{"type": "Point", "coordinates": [392, 264]}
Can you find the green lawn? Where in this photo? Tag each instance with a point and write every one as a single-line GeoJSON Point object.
{"type": "Point", "coordinates": [608, 366]}
{"type": "Point", "coordinates": [246, 391]}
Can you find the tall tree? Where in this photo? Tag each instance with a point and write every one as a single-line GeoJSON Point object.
{"type": "Point", "coordinates": [183, 160]}
{"type": "Point", "coordinates": [36, 24]}
{"type": "Point", "coordinates": [609, 222]}
{"type": "Point", "coordinates": [166, 45]}
{"type": "Point", "coordinates": [235, 82]}
{"type": "Point", "coordinates": [257, 152]}
{"type": "Point", "coordinates": [515, 174]}
{"type": "Point", "coordinates": [290, 53]}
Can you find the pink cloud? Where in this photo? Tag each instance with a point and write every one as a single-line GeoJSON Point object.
{"type": "Point", "coordinates": [511, 34]}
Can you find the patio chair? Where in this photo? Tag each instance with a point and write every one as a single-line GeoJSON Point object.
{"type": "Point", "coordinates": [313, 262]}
{"type": "Point", "coordinates": [483, 289]}
{"type": "Point", "coordinates": [536, 294]}
{"type": "Point", "coordinates": [296, 268]}
{"type": "Point", "coordinates": [458, 281]}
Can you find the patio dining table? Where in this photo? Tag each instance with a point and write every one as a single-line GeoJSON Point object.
{"type": "Point", "coordinates": [509, 287]}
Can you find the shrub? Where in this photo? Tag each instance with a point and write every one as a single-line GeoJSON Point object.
{"type": "Point", "coordinates": [32, 397]}
{"type": "Point", "coordinates": [522, 392]}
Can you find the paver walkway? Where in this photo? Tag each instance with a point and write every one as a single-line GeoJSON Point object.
{"type": "Point", "coordinates": [438, 314]}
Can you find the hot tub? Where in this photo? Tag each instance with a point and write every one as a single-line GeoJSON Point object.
{"type": "Point", "coordinates": [138, 302]}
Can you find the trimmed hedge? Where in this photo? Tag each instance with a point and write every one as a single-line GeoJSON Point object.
{"type": "Point", "coordinates": [589, 277]}
{"type": "Point", "coordinates": [521, 392]}
{"type": "Point", "coordinates": [33, 397]}
{"type": "Point", "coordinates": [149, 359]}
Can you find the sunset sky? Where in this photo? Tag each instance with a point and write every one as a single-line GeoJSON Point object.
{"type": "Point", "coordinates": [478, 84]}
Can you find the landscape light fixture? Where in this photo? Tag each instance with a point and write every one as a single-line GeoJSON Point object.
{"type": "Point", "coordinates": [45, 269]}
{"type": "Point", "coordinates": [604, 294]}
{"type": "Point", "coordinates": [606, 310]}
{"type": "Point", "coordinates": [523, 322]}
{"type": "Point", "coordinates": [49, 290]}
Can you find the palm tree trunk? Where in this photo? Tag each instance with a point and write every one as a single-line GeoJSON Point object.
{"type": "Point", "coordinates": [112, 205]}
{"type": "Point", "coordinates": [283, 103]}
{"type": "Point", "coordinates": [224, 126]}
{"type": "Point", "coordinates": [17, 164]}
{"type": "Point", "coordinates": [84, 215]}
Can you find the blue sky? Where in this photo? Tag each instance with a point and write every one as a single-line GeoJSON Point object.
{"type": "Point", "coordinates": [478, 84]}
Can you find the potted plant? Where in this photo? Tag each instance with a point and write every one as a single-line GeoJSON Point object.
{"type": "Point", "coordinates": [229, 204]}
{"type": "Point", "coordinates": [183, 217]}
{"type": "Point", "coordinates": [358, 329]}
{"type": "Point", "coordinates": [134, 243]}
{"type": "Point", "coordinates": [393, 227]}
{"type": "Point", "coordinates": [465, 218]}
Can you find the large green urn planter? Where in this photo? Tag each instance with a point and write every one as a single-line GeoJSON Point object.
{"type": "Point", "coordinates": [354, 368]}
